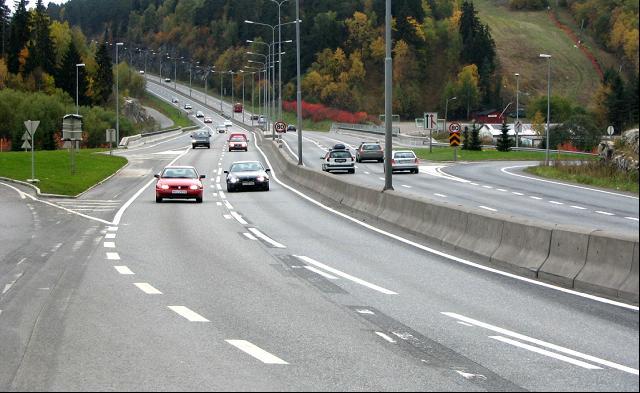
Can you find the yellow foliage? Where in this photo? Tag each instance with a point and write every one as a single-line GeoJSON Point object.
{"type": "Point", "coordinates": [377, 49]}
{"type": "Point", "coordinates": [22, 58]}
{"type": "Point", "coordinates": [537, 123]}
{"type": "Point", "coordinates": [417, 28]}
{"type": "Point", "coordinates": [4, 74]}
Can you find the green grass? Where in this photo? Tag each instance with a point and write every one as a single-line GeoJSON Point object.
{"type": "Point", "coordinates": [520, 36]}
{"type": "Point", "coordinates": [53, 168]}
{"type": "Point", "coordinates": [176, 115]}
{"type": "Point", "coordinates": [307, 124]}
{"type": "Point", "coordinates": [594, 174]}
{"type": "Point", "coordinates": [446, 154]}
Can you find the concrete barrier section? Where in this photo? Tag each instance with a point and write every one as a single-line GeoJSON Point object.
{"type": "Point", "coordinates": [482, 235]}
{"type": "Point", "coordinates": [524, 247]}
{"type": "Point", "coordinates": [629, 289]}
{"type": "Point", "coordinates": [567, 256]}
{"type": "Point", "coordinates": [608, 266]}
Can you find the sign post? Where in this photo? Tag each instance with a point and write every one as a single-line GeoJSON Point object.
{"type": "Point", "coordinates": [29, 142]}
{"type": "Point", "coordinates": [72, 134]}
{"type": "Point", "coordinates": [430, 124]}
{"type": "Point", "coordinates": [280, 127]}
{"type": "Point", "coordinates": [517, 128]}
{"type": "Point", "coordinates": [111, 137]}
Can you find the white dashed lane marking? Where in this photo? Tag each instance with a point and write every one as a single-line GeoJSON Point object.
{"type": "Point", "coordinates": [441, 195]}
{"type": "Point", "coordinates": [186, 313]}
{"type": "Point", "coordinates": [517, 193]}
{"type": "Point", "coordinates": [556, 203]}
{"type": "Point", "coordinates": [123, 270]}
{"type": "Point", "coordinates": [113, 256]}
{"type": "Point", "coordinates": [109, 245]}
{"type": "Point", "coordinates": [488, 208]}
{"type": "Point", "coordinates": [256, 232]}
{"type": "Point", "coordinates": [605, 213]}
{"type": "Point", "coordinates": [110, 236]}
{"type": "Point", "coordinates": [249, 236]}
{"type": "Point", "coordinates": [632, 218]}
{"type": "Point", "coordinates": [579, 207]}
{"type": "Point", "coordinates": [536, 198]}
{"type": "Point", "coordinates": [256, 352]}
{"type": "Point", "coordinates": [147, 288]}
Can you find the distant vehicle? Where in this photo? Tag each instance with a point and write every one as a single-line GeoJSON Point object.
{"type": "Point", "coordinates": [208, 120]}
{"type": "Point", "coordinates": [339, 159]}
{"type": "Point", "coordinates": [188, 106]}
{"type": "Point", "coordinates": [174, 100]}
{"type": "Point", "coordinates": [167, 80]}
{"type": "Point", "coordinates": [370, 151]}
{"type": "Point", "coordinates": [291, 128]}
{"type": "Point", "coordinates": [238, 142]}
{"type": "Point", "coordinates": [179, 182]}
{"type": "Point", "coordinates": [247, 174]}
{"type": "Point", "coordinates": [237, 108]}
{"type": "Point", "coordinates": [255, 117]}
{"type": "Point", "coordinates": [141, 72]}
{"type": "Point", "coordinates": [228, 123]}
{"type": "Point", "coordinates": [201, 138]}
{"type": "Point", "coordinates": [404, 160]}
{"type": "Point", "coordinates": [221, 129]}
{"type": "Point", "coordinates": [262, 120]}
{"type": "Point", "coordinates": [199, 114]}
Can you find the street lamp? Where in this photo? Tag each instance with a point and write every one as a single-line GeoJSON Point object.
{"type": "Point", "coordinates": [190, 65]}
{"type": "Point", "coordinates": [242, 72]}
{"type": "Point", "coordinates": [548, 57]}
{"type": "Point", "coordinates": [515, 128]}
{"type": "Point", "coordinates": [117, 95]}
{"type": "Point", "coordinates": [77, 106]}
{"type": "Point", "coordinates": [298, 85]}
{"type": "Point", "coordinates": [233, 102]}
{"type": "Point", "coordinates": [279, 3]}
{"type": "Point", "coordinates": [388, 86]}
{"type": "Point", "coordinates": [444, 126]}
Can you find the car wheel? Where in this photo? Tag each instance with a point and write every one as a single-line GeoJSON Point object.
{"type": "Point", "coordinates": [229, 188]}
{"type": "Point", "coordinates": [193, 146]}
{"type": "Point", "coordinates": [198, 199]}
{"type": "Point", "coordinates": [381, 160]}
{"type": "Point", "coordinates": [352, 171]}
{"type": "Point", "coordinates": [266, 188]}
{"type": "Point", "coordinates": [158, 199]}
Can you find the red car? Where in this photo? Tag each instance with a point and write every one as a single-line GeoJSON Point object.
{"type": "Point", "coordinates": [179, 182]}
{"type": "Point", "coordinates": [238, 142]}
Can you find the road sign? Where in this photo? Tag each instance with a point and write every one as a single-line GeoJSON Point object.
{"type": "Point", "coordinates": [26, 136]}
{"type": "Point", "coordinates": [431, 121]}
{"type": "Point", "coordinates": [454, 127]}
{"type": "Point", "coordinates": [517, 127]}
{"type": "Point", "coordinates": [454, 139]}
{"type": "Point", "coordinates": [610, 130]}
{"type": "Point", "coordinates": [32, 126]}
{"type": "Point", "coordinates": [280, 126]}
{"type": "Point", "coordinates": [26, 145]}
{"type": "Point", "coordinates": [111, 135]}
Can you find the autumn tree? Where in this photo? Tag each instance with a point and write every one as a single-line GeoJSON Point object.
{"type": "Point", "coordinates": [41, 52]}
{"type": "Point", "coordinates": [406, 73]}
{"type": "Point", "coordinates": [466, 87]}
{"type": "Point", "coordinates": [19, 38]}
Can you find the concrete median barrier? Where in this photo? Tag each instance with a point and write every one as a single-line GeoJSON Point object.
{"type": "Point", "coordinates": [482, 235]}
{"type": "Point", "coordinates": [567, 256]}
{"type": "Point", "coordinates": [608, 265]}
{"type": "Point", "coordinates": [524, 247]}
{"type": "Point", "coordinates": [629, 289]}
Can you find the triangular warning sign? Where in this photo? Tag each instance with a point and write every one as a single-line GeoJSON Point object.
{"type": "Point", "coordinates": [26, 145]}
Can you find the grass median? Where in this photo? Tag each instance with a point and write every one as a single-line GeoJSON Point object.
{"type": "Point", "coordinates": [53, 169]}
{"type": "Point", "coordinates": [179, 118]}
{"type": "Point", "coordinates": [591, 173]}
{"type": "Point", "coordinates": [446, 154]}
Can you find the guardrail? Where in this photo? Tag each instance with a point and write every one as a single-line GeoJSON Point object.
{"type": "Point", "coordinates": [551, 151]}
{"type": "Point", "coordinates": [395, 131]}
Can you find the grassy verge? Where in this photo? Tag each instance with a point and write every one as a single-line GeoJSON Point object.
{"type": "Point", "coordinates": [53, 168]}
{"type": "Point", "coordinates": [176, 115]}
{"type": "Point", "coordinates": [446, 154]}
{"type": "Point", "coordinates": [307, 124]}
{"type": "Point", "coordinates": [592, 173]}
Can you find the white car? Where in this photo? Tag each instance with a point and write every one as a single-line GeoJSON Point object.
{"type": "Point", "coordinates": [188, 106]}
{"type": "Point", "coordinates": [404, 160]}
{"type": "Point", "coordinates": [167, 80]}
{"type": "Point", "coordinates": [221, 129]}
{"type": "Point", "coordinates": [199, 114]}
{"type": "Point", "coordinates": [228, 123]}
{"type": "Point", "coordinates": [141, 72]}
{"type": "Point", "coordinates": [174, 100]}
{"type": "Point", "coordinates": [338, 158]}
{"type": "Point", "coordinates": [208, 120]}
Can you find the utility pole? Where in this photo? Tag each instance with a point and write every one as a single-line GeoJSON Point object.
{"type": "Point", "coordinates": [388, 86]}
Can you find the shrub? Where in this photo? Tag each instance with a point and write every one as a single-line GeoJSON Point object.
{"type": "Point", "coordinates": [319, 112]}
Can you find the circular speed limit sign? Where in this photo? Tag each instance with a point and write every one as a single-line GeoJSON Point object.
{"type": "Point", "coordinates": [280, 126]}
{"type": "Point", "coordinates": [454, 127]}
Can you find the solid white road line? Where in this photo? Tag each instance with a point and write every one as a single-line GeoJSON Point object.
{"type": "Point", "coordinates": [113, 256]}
{"type": "Point", "coordinates": [256, 232]}
{"type": "Point", "coordinates": [256, 352]}
{"type": "Point", "coordinates": [222, 194]}
{"type": "Point", "coordinates": [110, 236]}
{"type": "Point", "coordinates": [632, 218]}
{"type": "Point", "coordinates": [556, 203]}
{"type": "Point", "coordinates": [440, 195]}
{"type": "Point", "coordinates": [228, 205]}
{"type": "Point", "coordinates": [546, 353]}
{"type": "Point", "coordinates": [605, 213]}
{"type": "Point", "coordinates": [147, 288]}
{"type": "Point", "coordinates": [188, 314]}
{"type": "Point", "coordinates": [488, 208]}
{"type": "Point", "coordinates": [387, 338]}
{"type": "Point", "coordinates": [320, 272]}
{"type": "Point", "coordinates": [123, 270]}
{"type": "Point", "coordinates": [249, 236]}
{"type": "Point", "coordinates": [554, 347]}
{"type": "Point", "coordinates": [517, 193]}
{"type": "Point", "coordinates": [579, 207]}
{"type": "Point", "coordinates": [536, 198]}
{"type": "Point", "coordinates": [345, 275]}
{"type": "Point", "coordinates": [109, 245]}
{"type": "Point", "coordinates": [238, 217]}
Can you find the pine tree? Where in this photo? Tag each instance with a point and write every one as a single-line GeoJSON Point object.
{"type": "Point", "coordinates": [19, 37]}
{"type": "Point", "coordinates": [504, 142]}
{"type": "Point", "coordinates": [41, 51]}
{"type": "Point", "coordinates": [66, 75]}
{"type": "Point", "coordinates": [4, 27]}
{"type": "Point", "coordinates": [465, 138]}
{"type": "Point", "coordinates": [475, 138]}
{"type": "Point", "coordinates": [103, 83]}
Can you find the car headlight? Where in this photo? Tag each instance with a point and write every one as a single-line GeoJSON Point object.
{"type": "Point", "coordinates": [193, 187]}
{"type": "Point", "coordinates": [164, 187]}
{"type": "Point", "coordinates": [233, 179]}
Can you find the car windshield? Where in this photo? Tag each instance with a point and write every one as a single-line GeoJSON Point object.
{"type": "Point", "coordinates": [237, 139]}
{"type": "Point", "coordinates": [371, 147]}
{"type": "Point", "coordinates": [405, 154]}
{"type": "Point", "coordinates": [246, 167]}
{"type": "Point", "coordinates": [179, 173]}
{"type": "Point", "coordinates": [340, 154]}
{"type": "Point", "coordinates": [202, 135]}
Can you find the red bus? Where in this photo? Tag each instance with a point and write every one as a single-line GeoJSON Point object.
{"type": "Point", "coordinates": [237, 108]}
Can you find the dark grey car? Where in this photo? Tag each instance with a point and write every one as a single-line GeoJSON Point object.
{"type": "Point", "coordinates": [369, 151]}
{"type": "Point", "coordinates": [247, 175]}
{"type": "Point", "coordinates": [201, 138]}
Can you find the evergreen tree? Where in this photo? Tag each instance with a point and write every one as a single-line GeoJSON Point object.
{"type": "Point", "coordinates": [66, 75]}
{"type": "Point", "coordinates": [103, 83]}
{"type": "Point", "coordinates": [465, 138]}
{"type": "Point", "coordinates": [504, 142]}
{"type": "Point", "coordinates": [475, 138]}
{"type": "Point", "coordinates": [615, 101]}
{"type": "Point", "coordinates": [41, 51]}
{"type": "Point", "coordinates": [19, 37]}
{"type": "Point", "coordinates": [4, 27]}
{"type": "Point", "coordinates": [632, 99]}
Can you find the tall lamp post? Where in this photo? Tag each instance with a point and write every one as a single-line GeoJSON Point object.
{"type": "Point", "coordinates": [548, 57]}
{"type": "Point", "coordinates": [77, 105]}
{"type": "Point", "coordinates": [444, 126]}
{"type": "Point", "coordinates": [388, 86]}
{"type": "Point", "coordinates": [117, 95]}
{"type": "Point", "coordinates": [279, 3]}
{"type": "Point", "coordinates": [233, 102]}
{"type": "Point", "coordinates": [298, 85]}
{"type": "Point", "coordinates": [242, 72]}
{"type": "Point", "coordinates": [515, 130]}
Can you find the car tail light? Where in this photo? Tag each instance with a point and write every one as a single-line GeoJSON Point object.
{"type": "Point", "coordinates": [393, 161]}
{"type": "Point", "coordinates": [352, 158]}
{"type": "Point", "coordinates": [415, 160]}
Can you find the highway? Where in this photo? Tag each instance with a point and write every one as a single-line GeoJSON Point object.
{"type": "Point", "coordinates": [274, 291]}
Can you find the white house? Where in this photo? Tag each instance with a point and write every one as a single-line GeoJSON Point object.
{"type": "Point", "coordinates": [528, 136]}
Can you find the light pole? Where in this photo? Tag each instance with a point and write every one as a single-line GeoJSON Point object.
{"type": "Point", "coordinates": [515, 128]}
{"type": "Point", "coordinates": [548, 57]}
{"type": "Point", "coordinates": [77, 105]}
{"type": "Point", "coordinates": [388, 86]}
{"type": "Point", "coordinates": [233, 102]}
{"type": "Point", "coordinates": [117, 95]}
{"type": "Point", "coordinates": [298, 85]}
{"type": "Point", "coordinates": [444, 126]}
{"type": "Point", "coordinates": [242, 72]}
{"type": "Point", "coordinates": [279, 3]}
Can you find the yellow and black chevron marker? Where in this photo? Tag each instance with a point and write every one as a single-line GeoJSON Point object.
{"type": "Point", "coordinates": [454, 139]}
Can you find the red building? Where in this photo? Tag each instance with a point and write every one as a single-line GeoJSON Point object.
{"type": "Point", "coordinates": [491, 116]}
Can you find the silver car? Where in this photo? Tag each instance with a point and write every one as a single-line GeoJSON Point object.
{"type": "Point", "coordinates": [404, 160]}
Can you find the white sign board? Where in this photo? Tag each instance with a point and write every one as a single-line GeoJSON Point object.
{"type": "Point", "coordinates": [431, 121]}
{"type": "Point", "coordinates": [610, 130]}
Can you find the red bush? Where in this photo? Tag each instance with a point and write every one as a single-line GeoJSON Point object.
{"type": "Point", "coordinates": [319, 112]}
